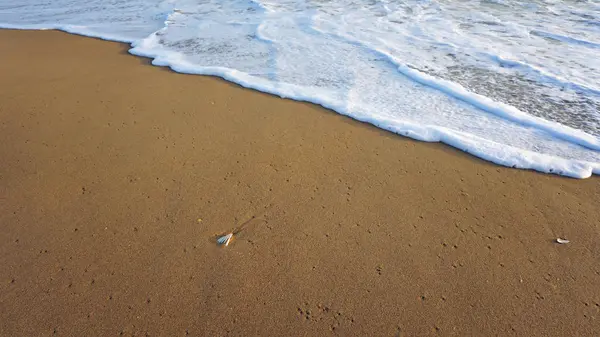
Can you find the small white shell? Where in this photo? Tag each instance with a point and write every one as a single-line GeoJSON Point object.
{"type": "Point", "coordinates": [225, 239]}
{"type": "Point", "coordinates": [562, 241]}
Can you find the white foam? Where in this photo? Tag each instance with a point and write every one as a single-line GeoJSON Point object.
{"type": "Point", "coordinates": [382, 63]}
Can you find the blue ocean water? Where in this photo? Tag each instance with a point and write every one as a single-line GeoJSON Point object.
{"type": "Point", "coordinates": [513, 82]}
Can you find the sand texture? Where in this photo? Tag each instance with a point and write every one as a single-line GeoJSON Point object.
{"type": "Point", "coordinates": [117, 176]}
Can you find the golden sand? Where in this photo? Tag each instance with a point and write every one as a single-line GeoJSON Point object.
{"type": "Point", "coordinates": [117, 177]}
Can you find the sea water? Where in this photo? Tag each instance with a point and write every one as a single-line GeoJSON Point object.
{"type": "Point", "coordinates": [513, 82]}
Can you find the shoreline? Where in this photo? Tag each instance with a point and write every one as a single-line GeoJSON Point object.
{"type": "Point", "coordinates": [509, 157]}
{"type": "Point", "coordinates": [117, 176]}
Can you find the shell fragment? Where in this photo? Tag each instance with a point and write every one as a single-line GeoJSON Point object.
{"type": "Point", "coordinates": [225, 239]}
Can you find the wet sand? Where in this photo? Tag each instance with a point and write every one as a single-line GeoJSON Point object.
{"type": "Point", "coordinates": [117, 176]}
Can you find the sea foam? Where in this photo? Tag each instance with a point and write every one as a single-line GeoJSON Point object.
{"type": "Point", "coordinates": [512, 82]}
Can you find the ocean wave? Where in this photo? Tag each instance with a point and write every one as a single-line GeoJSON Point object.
{"type": "Point", "coordinates": [384, 63]}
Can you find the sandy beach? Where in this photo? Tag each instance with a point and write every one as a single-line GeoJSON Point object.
{"type": "Point", "coordinates": [116, 177]}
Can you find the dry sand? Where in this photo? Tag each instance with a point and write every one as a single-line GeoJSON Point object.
{"type": "Point", "coordinates": [108, 165]}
